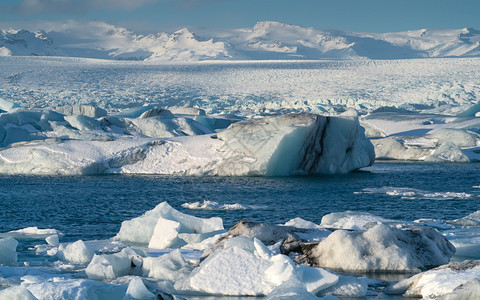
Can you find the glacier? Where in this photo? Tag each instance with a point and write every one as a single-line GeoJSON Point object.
{"type": "Point", "coordinates": [405, 116]}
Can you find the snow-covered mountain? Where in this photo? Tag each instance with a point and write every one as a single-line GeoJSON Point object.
{"type": "Point", "coordinates": [266, 40]}
{"type": "Point", "coordinates": [26, 43]}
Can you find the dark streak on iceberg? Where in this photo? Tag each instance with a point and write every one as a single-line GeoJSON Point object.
{"type": "Point", "coordinates": [315, 146]}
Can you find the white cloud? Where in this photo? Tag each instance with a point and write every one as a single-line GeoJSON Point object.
{"type": "Point", "coordinates": [33, 7]}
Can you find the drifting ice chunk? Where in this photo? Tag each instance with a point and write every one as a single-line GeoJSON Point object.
{"type": "Point", "coordinates": [18, 292]}
{"type": "Point", "coordinates": [461, 137]}
{"type": "Point", "coordinates": [138, 290]}
{"type": "Point", "coordinates": [164, 233]}
{"type": "Point", "coordinates": [169, 266]}
{"type": "Point", "coordinates": [276, 146]}
{"type": "Point", "coordinates": [187, 110]}
{"type": "Point", "coordinates": [348, 286]}
{"type": "Point", "coordinates": [111, 266]}
{"type": "Point", "coordinates": [8, 251]}
{"type": "Point", "coordinates": [7, 105]}
{"type": "Point", "coordinates": [83, 122]}
{"type": "Point", "coordinates": [390, 148]}
{"type": "Point", "coordinates": [241, 270]}
{"type": "Point", "coordinates": [31, 233]}
{"type": "Point", "coordinates": [159, 227]}
{"type": "Point", "coordinates": [84, 110]}
{"type": "Point", "coordinates": [472, 219]}
{"type": "Point", "coordinates": [448, 152]}
{"type": "Point", "coordinates": [75, 253]}
{"type": "Point", "coordinates": [453, 281]}
{"type": "Point", "coordinates": [351, 220]}
{"type": "Point", "coordinates": [233, 271]}
{"type": "Point", "coordinates": [292, 289]}
{"type": "Point", "coordinates": [301, 223]}
{"type": "Point", "coordinates": [61, 288]}
{"type": "Point", "coordinates": [53, 240]}
{"type": "Point", "coordinates": [381, 249]}
{"type": "Point", "coordinates": [156, 112]}
{"type": "Point", "coordinates": [295, 144]}
{"type": "Point", "coordinates": [212, 205]}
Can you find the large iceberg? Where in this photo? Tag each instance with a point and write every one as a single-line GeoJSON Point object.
{"type": "Point", "coordinates": [291, 144]}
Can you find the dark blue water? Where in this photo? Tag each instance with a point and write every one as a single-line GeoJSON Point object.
{"type": "Point", "coordinates": [93, 207]}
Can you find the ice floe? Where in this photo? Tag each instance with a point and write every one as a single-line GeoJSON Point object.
{"type": "Point", "coordinates": [212, 205]}
{"type": "Point", "coordinates": [32, 233]}
{"type": "Point", "coordinates": [409, 193]}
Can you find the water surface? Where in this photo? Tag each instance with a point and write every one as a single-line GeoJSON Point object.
{"type": "Point", "coordinates": [93, 207]}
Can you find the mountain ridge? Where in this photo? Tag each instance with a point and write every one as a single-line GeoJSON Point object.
{"type": "Point", "coordinates": [267, 40]}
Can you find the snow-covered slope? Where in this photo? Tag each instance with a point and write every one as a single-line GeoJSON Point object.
{"type": "Point", "coordinates": [266, 40]}
{"type": "Point", "coordinates": [26, 43]}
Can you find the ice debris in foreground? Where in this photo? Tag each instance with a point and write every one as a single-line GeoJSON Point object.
{"type": "Point", "coordinates": [453, 281]}
{"type": "Point", "coordinates": [252, 270]}
{"type": "Point", "coordinates": [212, 205]}
{"type": "Point", "coordinates": [251, 259]}
{"type": "Point", "coordinates": [157, 142]}
{"type": "Point", "coordinates": [380, 249]}
{"type": "Point", "coordinates": [164, 227]}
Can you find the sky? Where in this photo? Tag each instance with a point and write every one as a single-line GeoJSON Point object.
{"type": "Point", "coordinates": [152, 16]}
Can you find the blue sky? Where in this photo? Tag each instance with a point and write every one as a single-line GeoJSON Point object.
{"type": "Point", "coordinates": [150, 16]}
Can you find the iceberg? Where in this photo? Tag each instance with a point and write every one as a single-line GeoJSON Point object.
{"type": "Point", "coordinates": [82, 110]}
{"type": "Point", "coordinates": [74, 288]}
{"type": "Point", "coordinates": [7, 105]}
{"type": "Point", "coordinates": [380, 249]}
{"type": "Point", "coordinates": [292, 144]}
{"type": "Point", "coordinates": [453, 281]}
{"type": "Point", "coordinates": [137, 290]}
{"type": "Point", "coordinates": [352, 220]}
{"type": "Point", "coordinates": [295, 144]}
{"type": "Point", "coordinates": [8, 251]}
{"type": "Point", "coordinates": [32, 233]}
{"type": "Point", "coordinates": [18, 292]}
{"type": "Point", "coordinates": [348, 286]}
{"type": "Point", "coordinates": [162, 227]}
{"type": "Point", "coordinates": [249, 268]}
{"type": "Point", "coordinates": [171, 266]}
{"type": "Point", "coordinates": [76, 253]}
{"type": "Point", "coordinates": [111, 266]}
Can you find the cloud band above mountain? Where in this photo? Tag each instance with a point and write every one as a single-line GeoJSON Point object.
{"type": "Point", "coordinates": [35, 7]}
